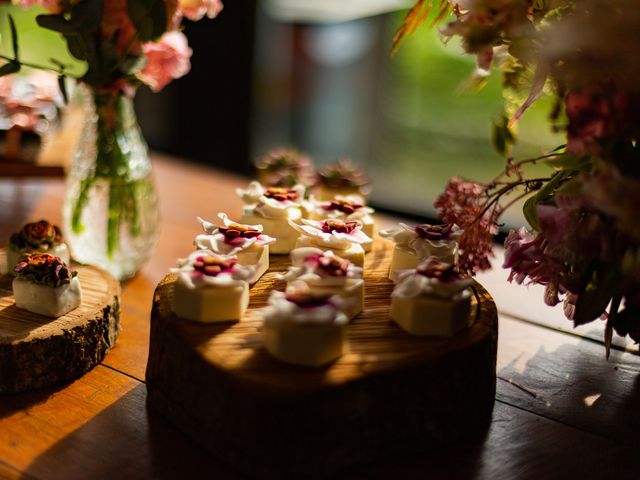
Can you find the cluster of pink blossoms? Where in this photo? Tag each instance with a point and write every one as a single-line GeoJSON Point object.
{"type": "Point", "coordinates": [167, 58]}
{"type": "Point", "coordinates": [463, 202]}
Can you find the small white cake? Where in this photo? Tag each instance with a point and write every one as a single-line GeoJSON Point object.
{"type": "Point", "coordinates": [431, 300]}
{"type": "Point", "coordinates": [349, 209]}
{"type": "Point", "coordinates": [37, 237]}
{"type": "Point", "coordinates": [273, 208]}
{"type": "Point", "coordinates": [343, 178]}
{"type": "Point", "coordinates": [211, 288]}
{"type": "Point", "coordinates": [247, 242]}
{"type": "Point", "coordinates": [327, 274]}
{"type": "Point", "coordinates": [345, 239]}
{"type": "Point", "coordinates": [417, 243]}
{"type": "Point", "coordinates": [46, 286]}
{"type": "Point", "coordinates": [304, 329]}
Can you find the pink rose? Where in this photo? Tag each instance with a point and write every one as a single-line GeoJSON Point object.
{"type": "Point", "coordinates": [52, 6]}
{"type": "Point", "coordinates": [196, 9]}
{"type": "Point", "coordinates": [167, 59]}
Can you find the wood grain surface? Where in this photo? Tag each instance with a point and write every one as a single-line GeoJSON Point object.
{"type": "Point", "coordinates": [37, 351]}
{"type": "Point", "coordinates": [562, 410]}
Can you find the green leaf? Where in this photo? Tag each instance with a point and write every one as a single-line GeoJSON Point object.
{"type": "Point", "coordinates": [569, 161]}
{"type": "Point", "coordinates": [63, 88]}
{"type": "Point", "coordinates": [593, 300]}
{"type": "Point", "coordinates": [529, 211]}
{"type": "Point", "coordinates": [9, 68]}
{"type": "Point", "coordinates": [57, 23]}
{"type": "Point", "coordinates": [14, 38]}
{"type": "Point", "coordinates": [149, 17]}
{"type": "Point", "coordinates": [543, 195]}
{"type": "Point", "coordinates": [86, 16]}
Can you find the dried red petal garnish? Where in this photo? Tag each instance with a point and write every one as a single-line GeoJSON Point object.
{"type": "Point", "coordinates": [344, 206]}
{"type": "Point", "coordinates": [44, 269]}
{"type": "Point", "coordinates": [445, 272]}
{"type": "Point", "coordinates": [212, 266]}
{"type": "Point", "coordinates": [306, 300]}
{"type": "Point", "coordinates": [281, 194]}
{"type": "Point", "coordinates": [333, 225]}
{"type": "Point", "coordinates": [236, 230]}
{"type": "Point", "coordinates": [434, 232]}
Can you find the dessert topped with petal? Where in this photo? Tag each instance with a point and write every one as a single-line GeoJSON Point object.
{"type": "Point", "coordinates": [332, 232]}
{"type": "Point", "coordinates": [285, 167]}
{"type": "Point", "coordinates": [273, 208]}
{"type": "Point", "coordinates": [415, 243]}
{"type": "Point", "coordinates": [300, 305]}
{"type": "Point", "coordinates": [39, 236]}
{"type": "Point", "coordinates": [44, 269]}
{"type": "Point", "coordinates": [342, 178]}
{"type": "Point", "coordinates": [205, 268]}
{"type": "Point", "coordinates": [272, 202]}
{"type": "Point", "coordinates": [45, 285]}
{"type": "Point", "coordinates": [231, 237]}
{"type": "Point", "coordinates": [318, 267]}
{"type": "Point", "coordinates": [431, 277]}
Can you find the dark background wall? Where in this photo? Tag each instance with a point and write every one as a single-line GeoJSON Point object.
{"type": "Point", "coordinates": [206, 115]}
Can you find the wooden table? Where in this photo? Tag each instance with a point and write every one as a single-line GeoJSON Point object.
{"type": "Point", "coordinates": [562, 410]}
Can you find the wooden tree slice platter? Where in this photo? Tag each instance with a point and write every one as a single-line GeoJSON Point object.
{"type": "Point", "coordinates": [37, 351]}
{"type": "Point", "coordinates": [390, 393]}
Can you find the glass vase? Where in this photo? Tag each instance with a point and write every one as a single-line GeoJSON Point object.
{"type": "Point", "coordinates": [110, 214]}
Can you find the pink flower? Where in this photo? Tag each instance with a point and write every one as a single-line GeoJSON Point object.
{"type": "Point", "coordinates": [167, 59]}
{"type": "Point", "coordinates": [196, 9]}
{"type": "Point", "coordinates": [52, 6]}
{"type": "Point", "coordinates": [462, 203]}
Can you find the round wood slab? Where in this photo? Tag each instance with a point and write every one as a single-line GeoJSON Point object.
{"type": "Point", "coordinates": [36, 351]}
{"type": "Point", "coordinates": [390, 393]}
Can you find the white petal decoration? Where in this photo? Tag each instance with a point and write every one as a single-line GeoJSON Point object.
{"type": "Point", "coordinates": [195, 279]}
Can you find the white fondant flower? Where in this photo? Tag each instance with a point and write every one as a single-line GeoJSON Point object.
{"type": "Point", "coordinates": [332, 233]}
{"type": "Point", "coordinates": [425, 240]}
{"type": "Point", "coordinates": [206, 268]}
{"type": "Point", "coordinates": [432, 277]}
{"type": "Point", "coordinates": [349, 208]}
{"type": "Point", "coordinates": [298, 305]}
{"type": "Point", "coordinates": [231, 237]}
{"type": "Point", "coordinates": [317, 267]}
{"type": "Point", "coordinates": [272, 202]}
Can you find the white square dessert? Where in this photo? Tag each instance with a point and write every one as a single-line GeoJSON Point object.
{"type": "Point", "coordinates": [247, 242]}
{"type": "Point", "coordinates": [326, 274]}
{"type": "Point", "coordinates": [415, 244]}
{"type": "Point", "coordinates": [45, 285]}
{"type": "Point", "coordinates": [354, 252]}
{"type": "Point", "coordinates": [345, 239]}
{"type": "Point", "coordinates": [211, 288]}
{"type": "Point", "coordinates": [277, 227]}
{"type": "Point", "coordinates": [304, 329]}
{"type": "Point", "coordinates": [210, 304]}
{"type": "Point", "coordinates": [348, 209]}
{"type": "Point", "coordinates": [431, 300]}
{"type": "Point", "coordinates": [274, 208]}
{"type": "Point", "coordinates": [37, 237]}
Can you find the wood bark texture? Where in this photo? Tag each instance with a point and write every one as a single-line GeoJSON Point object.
{"type": "Point", "coordinates": [391, 393]}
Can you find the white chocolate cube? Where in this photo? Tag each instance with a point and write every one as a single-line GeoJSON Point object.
{"type": "Point", "coordinates": [402, 258]}
{"type": "Point", "coordinates": [278, 228]}
{"type": "Point", "coordinates": [352, 293]}
{"type": "Point", "coordinates": [307, 344]}
{"type": "Point", "coordinates": [60, 250]}
{"type": "Point", "coordinates": [255, 255]}
{"type": "Point", "coordinates": [369, 228]}
{"type": "Point", "coordinates": [431, 315]}
{"type": "Point", "coordinates": [326, 194]}
{"type": "Point", "coordinates": [355, 252]}
{"type": "Point", "coordinates": [210, 304]}
{"type": "Point", "coordinates": [48, 301]}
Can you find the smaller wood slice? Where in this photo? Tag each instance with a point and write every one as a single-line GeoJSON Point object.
{"type": "Point", "coordinates": [37, 351]}
{"type": "Point", "coordinates": [391, 393]}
